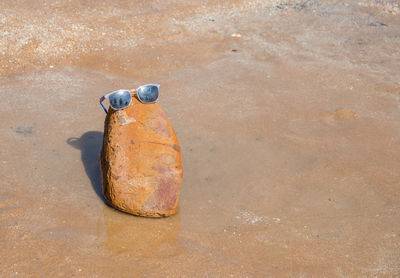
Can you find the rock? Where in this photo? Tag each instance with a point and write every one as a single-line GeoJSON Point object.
{"type": "Point", "coordinates": [141, 161]}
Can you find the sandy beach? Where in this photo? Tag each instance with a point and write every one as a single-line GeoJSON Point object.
{"type": "Point", "coordinates": [288, 116]}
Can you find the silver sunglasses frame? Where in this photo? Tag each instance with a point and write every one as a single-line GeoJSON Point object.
{"type": "Point", "coordinates": [132, 92]}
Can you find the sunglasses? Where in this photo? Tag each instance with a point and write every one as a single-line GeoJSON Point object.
{"type": "Point", "coordinates": [122, 98]}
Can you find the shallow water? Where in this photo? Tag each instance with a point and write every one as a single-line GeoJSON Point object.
{"type": "Point", "coordinates": [288, 118]}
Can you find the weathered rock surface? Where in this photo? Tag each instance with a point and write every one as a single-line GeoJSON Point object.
{"type": "Point", "coordinates": [141, 161]}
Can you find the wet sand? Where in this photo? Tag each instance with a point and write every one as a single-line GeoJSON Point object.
{"type": "Point", "coordinates": [288, 117]}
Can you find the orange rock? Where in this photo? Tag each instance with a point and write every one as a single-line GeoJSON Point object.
{"type": "Point", "coordinates": [141, 161]}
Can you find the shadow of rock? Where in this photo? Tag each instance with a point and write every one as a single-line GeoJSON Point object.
{"type": "Point", "coordinates": [90, 145]}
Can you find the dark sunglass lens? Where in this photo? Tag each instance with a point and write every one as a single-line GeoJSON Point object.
{"type": "Point", "coordinates": [120, 99]}
{"type": "Point", "coordinates": [148, 94]}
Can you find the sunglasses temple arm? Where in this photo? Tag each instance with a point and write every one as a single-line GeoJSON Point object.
{"type": "Point", "coordinates": [101, 100]}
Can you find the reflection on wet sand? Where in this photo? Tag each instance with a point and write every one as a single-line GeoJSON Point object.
{"type": "Point", "coordinates": [144, 237]}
